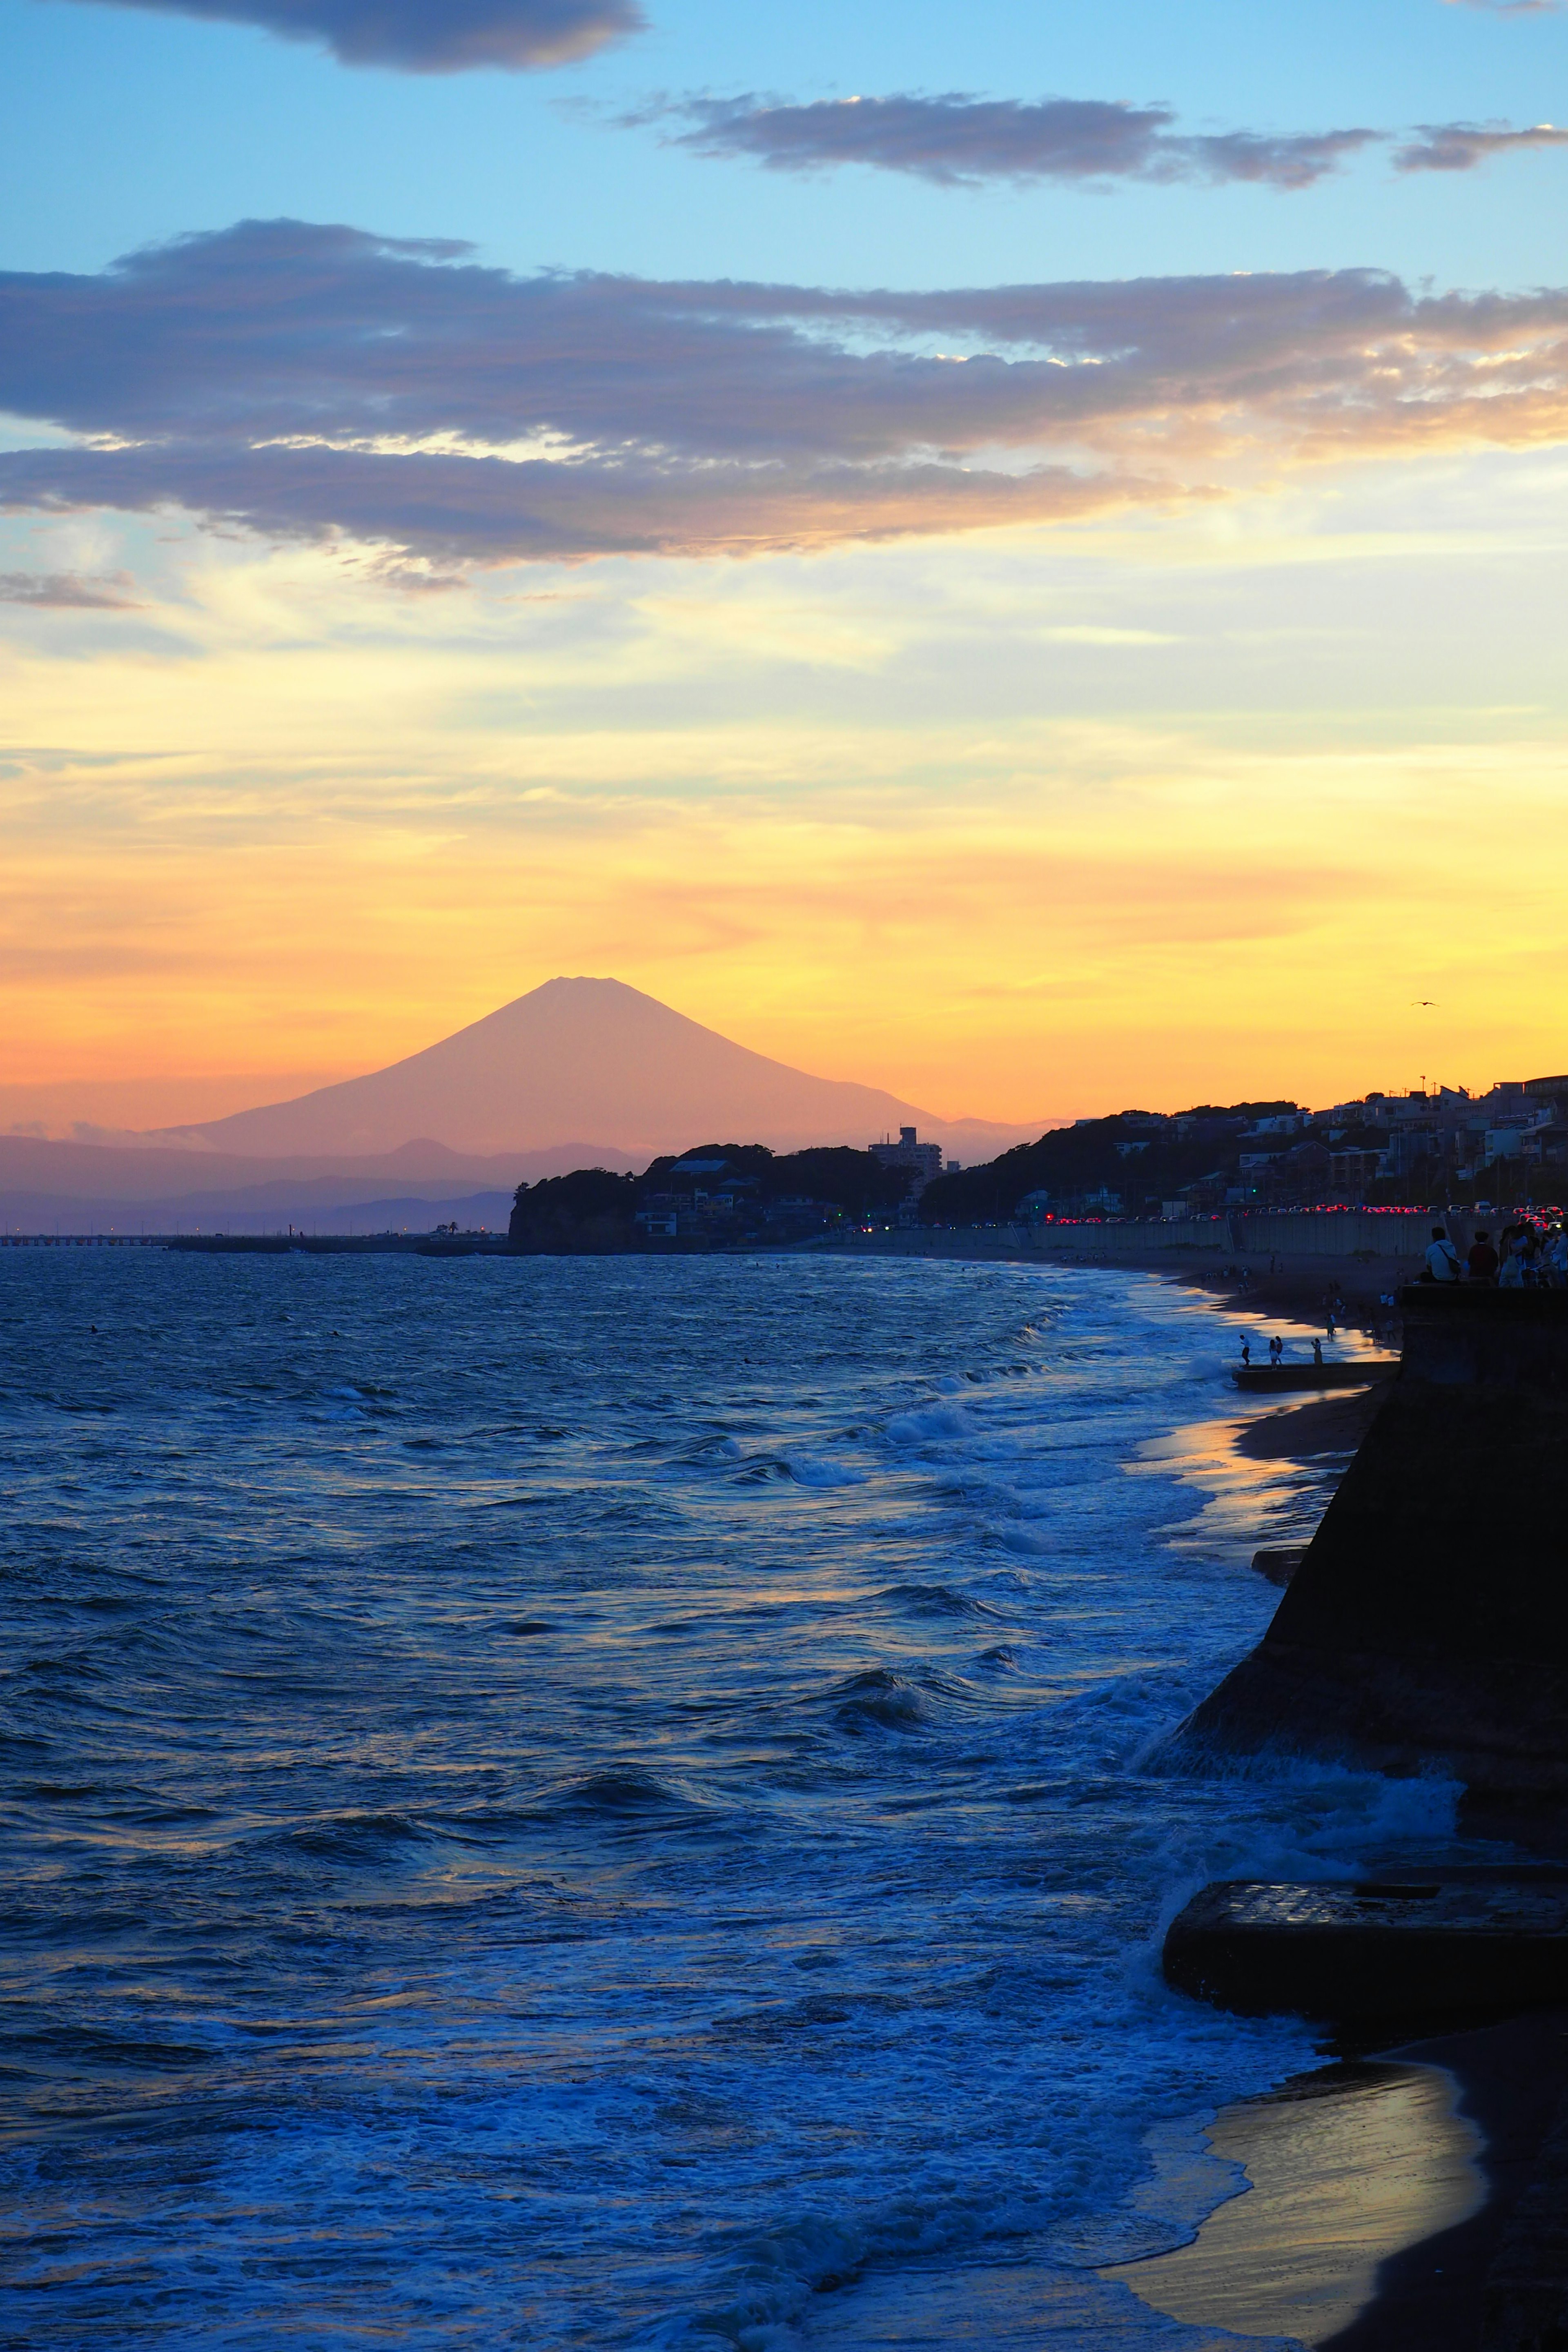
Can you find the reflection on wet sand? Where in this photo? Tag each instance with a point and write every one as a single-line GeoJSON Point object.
{"type": "Point", "coordinates": [1346, 2168]}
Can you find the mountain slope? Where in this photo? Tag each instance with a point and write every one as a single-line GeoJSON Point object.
{"type": "Point", "coordinates": [580, 1057]}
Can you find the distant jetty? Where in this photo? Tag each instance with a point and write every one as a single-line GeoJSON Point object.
{"type": "Point", "coordinates": [342, 1244]}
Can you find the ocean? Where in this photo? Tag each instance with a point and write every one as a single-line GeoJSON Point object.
{"type": "Point", "coordinates": [622, 1802]}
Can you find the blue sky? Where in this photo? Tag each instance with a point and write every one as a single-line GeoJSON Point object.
{"type": "Point", "coordinates": [127, 126]}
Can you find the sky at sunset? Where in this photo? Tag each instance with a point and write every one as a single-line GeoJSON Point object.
{"type": "Point", "coordinates": [1016, 555]}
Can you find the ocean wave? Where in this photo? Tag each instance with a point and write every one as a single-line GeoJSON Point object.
{"type": "Point", "coordinates": [92, 2046]}
{"type": "Point", "coordinates": [935, 1600]}
{"type": "Point", "coordinates": [880, 1700]}
{"type": "Point", "coordinates": [925, 1424]}
{"type": "Point", "coordinates": [717, 1448]}
{"type": "Point", "coordinates": [814, 1470]}
{"type": "Point", "coordinates": [1031, 1543]}
{"type": "Point", "coordinates": [347, 1838]}
{"type": "Point", "coordinates": [798, 1470]}
{"type": "Point", "coordinates": [622, 1791]}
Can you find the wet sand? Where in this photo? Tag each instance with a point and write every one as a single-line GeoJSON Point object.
{"type": "Point", "coordinates": [1329, 1424]}
{"type": "Point", "coordinates": [1348, 2169]}
{"type": "Point", "coordinates": [1380, 2194]}
{"type": "Point", "coordinates": [1381, 2190]}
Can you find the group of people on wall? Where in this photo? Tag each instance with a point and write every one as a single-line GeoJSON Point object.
{"type": "Point", "coordinates": [1525, 1256]}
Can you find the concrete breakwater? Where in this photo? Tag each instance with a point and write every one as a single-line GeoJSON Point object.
{"type": "Point", "coordinates": [1427, 1624]}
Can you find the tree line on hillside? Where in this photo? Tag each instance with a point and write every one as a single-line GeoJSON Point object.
{"type": "Point", "coordinates": [1416, 1150]}
{"type": "Point", "coordinates": [595, 1208]}
{"type": "Point", "coordinates": [1138, 1159]}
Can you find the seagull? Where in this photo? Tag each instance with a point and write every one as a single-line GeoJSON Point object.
{"type": "Point", "coordinates": [1424, 999]}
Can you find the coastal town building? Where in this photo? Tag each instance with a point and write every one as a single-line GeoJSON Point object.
{"type": "Point", "coordinates": [923, 1160]}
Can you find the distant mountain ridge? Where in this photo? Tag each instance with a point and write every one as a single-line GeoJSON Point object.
{"type": "Point", "coordinates": [77, 1188]}
{"type": "Point", "coordinates": [575, 1058]}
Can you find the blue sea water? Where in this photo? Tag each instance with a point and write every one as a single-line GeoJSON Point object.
{"type": "Point", "coordinates": [620, 1803]}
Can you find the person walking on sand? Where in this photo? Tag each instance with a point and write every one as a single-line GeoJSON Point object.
{"type": "Point", "coordinates": [1482, 1259]}
{"type": "Point", "coordinates": [1442, 1258]}
{"type": "Point", "coordinates": [1276, 1349]}
{"type": "Point", "coordinates": [1247, 1351]}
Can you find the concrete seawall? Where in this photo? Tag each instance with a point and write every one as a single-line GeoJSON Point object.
{"type": "Point", "coordinates": [1427, 1625]}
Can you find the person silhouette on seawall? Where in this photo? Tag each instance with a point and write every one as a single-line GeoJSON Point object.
{"type": "Point", "coordinates": [1482, 1259]}
{"type": "Point", "coordinates": [1442, 1258]}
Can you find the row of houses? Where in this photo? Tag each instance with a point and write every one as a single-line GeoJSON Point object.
{"type": "Point", "coordinates": [713, 1199]}
{"type": "Point", "coordinates": [1379, 1150]}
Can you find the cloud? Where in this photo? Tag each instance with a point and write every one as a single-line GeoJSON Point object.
{"type": "Point", "coordinates": [1513, 7]}
{"type": "Point", "coordinates": [68, 589]}
{"type": "Point", "coordinates": [428, 35]}
{"type": "Point", "coordinates": [314, 382]}
{"type": "Point", "coordinates": [1461, 146]}
{"type": "Point", "coordinates": [960, 140]}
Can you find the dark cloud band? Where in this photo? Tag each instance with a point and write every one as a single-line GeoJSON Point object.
{"type": "Point", "coordinates": [428, 35]}
{"type": "Point", "coordinates": [69, 591]}
{"type": "Point", "coordinates": [1461, 146]}
{"type": "Point", "coordinates": [310, 381]}
{"type": "Point", "coordinates": [956, 139]}
{"type": "Point", "coordinates": [959, 141]}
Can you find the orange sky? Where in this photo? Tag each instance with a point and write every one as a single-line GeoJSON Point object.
{"type": "Point", "coordinates": [1039, 824]}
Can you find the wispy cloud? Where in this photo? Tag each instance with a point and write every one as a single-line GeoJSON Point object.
{"type": "Point", "coordinates": [427, 36]}
{"type": "Point", "coordinates": [959, 140]}
{"type": "Point", "coordinates": [310, 381]}
{"type": "Point", "coordinates": [1461, 146]}
{"type": "Point", "coordinates": [956, 140]}
{"type": "Point", "coordinates": [68, 590]}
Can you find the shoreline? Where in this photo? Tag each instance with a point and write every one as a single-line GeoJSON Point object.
{"type": "Point", "coordinates": [1513, 2081]}
{"type": "Point", "coordinates": [1460, 2286]}
{"type": "Point", "coordinates": [1297, 1285]}
{"type": "Point", "coordinates": [1327, 2246]}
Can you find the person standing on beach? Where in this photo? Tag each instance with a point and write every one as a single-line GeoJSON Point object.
{"type": "Point", "coordinates": [1276, 1349]}
{"type": "Point", "coordinates": [1317, 1351]}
